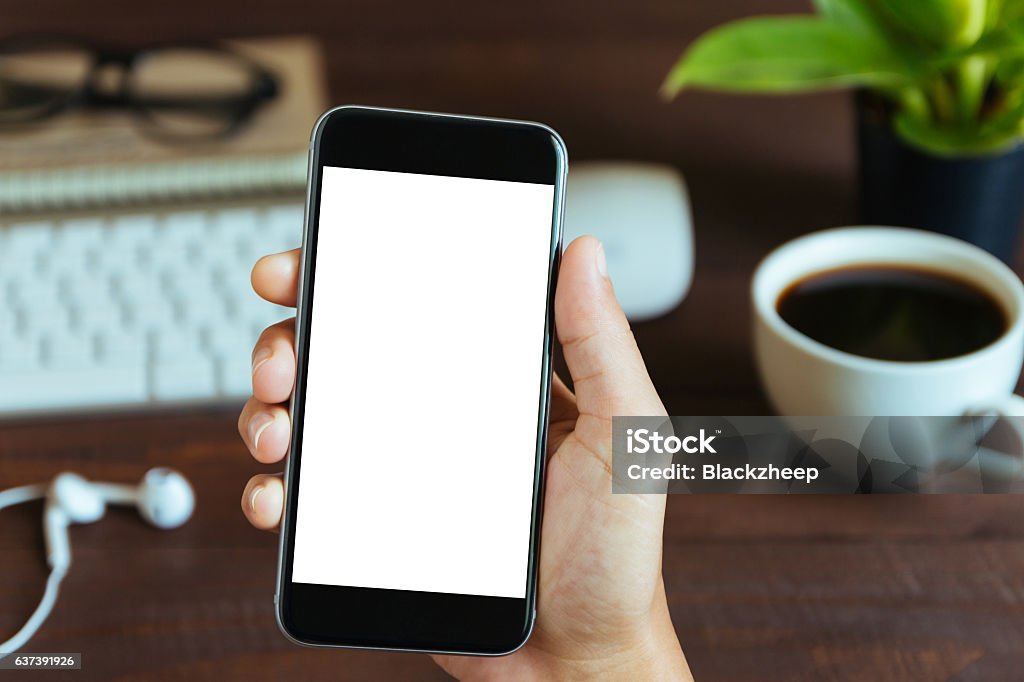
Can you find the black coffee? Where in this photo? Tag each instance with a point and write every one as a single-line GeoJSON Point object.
{"type": "Point", "coordinates": [893, 312]}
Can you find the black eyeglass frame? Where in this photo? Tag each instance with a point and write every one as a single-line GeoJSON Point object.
{"type": "Point", "coordinates": [265, 84]}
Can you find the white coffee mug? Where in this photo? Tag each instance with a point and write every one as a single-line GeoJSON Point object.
{"type": "Point", "coordinates": [805, 377]}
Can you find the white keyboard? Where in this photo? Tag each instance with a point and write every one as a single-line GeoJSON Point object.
{"type": "Point", "coordinates": [134, 309]}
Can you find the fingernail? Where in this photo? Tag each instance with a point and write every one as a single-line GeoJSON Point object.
{"type": "Point", "coordinates": [252, 497]}
{"type": "Point", "coordinates": [257, 425]}
{"type": "Point", "coordinates": [260, 356]}
{"type": "Point", "coordinates": [602, 262]}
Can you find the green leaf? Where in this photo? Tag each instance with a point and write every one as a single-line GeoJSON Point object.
{"type": "Point", "coordinates": [994, 12]}
{"type": "Point", "coordinates": [1003, 42]}
{"type": "Point", "coordinates": [1010, 70]}
{"type": "Point", "coordinates": [787, 54]}
{"type": "Point", "coordinates": [1011, 9]}
{"type": "Point", "coordinates": [1004, 47]}
{"type": "Point", "coordinates": [936, 23]}
{"type": "Point", "coordinates": [991, 137]}
{"type": "Point", "coordinates": [853, 14]}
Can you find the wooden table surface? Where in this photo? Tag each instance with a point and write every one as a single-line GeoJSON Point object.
{"type": "Point", "coordinates": [880, 588]}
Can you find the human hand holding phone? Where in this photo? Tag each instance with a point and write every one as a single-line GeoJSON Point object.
{"type": "Point", "coordinates": [602, 610]}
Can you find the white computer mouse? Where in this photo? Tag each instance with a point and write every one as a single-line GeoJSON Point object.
{"type": "Point", "coordinates": [641, 212]}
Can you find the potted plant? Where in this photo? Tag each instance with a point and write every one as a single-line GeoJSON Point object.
{"type": "Point", "coordinates": [940, 100]}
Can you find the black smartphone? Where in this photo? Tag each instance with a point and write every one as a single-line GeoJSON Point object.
{"type": "Point", "coordinates": [419, 417]}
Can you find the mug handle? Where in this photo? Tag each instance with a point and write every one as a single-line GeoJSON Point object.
{"type": "Point", "coordinates": [1002, 464]}
{"type": "Point", "coordinates": [1012, 406]}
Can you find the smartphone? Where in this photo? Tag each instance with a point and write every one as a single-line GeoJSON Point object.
{"type": "Point", "coordinates": [419, 416]}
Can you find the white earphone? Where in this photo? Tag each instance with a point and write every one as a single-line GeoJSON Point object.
{"type": "Point", "coordinates": [164, 499]}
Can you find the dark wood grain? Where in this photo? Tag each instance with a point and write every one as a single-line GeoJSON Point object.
{"type": "Point", "coordinates": [760, 587]}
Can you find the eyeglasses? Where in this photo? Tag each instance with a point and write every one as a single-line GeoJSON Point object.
{"type": "Point", "coordinates": [176, 93]}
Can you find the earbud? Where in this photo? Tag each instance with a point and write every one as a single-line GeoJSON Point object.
{"type": "Point", "coordinates": [164, 498]}
{"type": "Point", "coordinates": [77, 498]}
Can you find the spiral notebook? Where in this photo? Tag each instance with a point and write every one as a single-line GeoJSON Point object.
{"type": "Point", "coordinates": [88, 159]}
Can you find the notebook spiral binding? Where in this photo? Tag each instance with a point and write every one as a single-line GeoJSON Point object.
{"type": "Point", "coordinates": [36, 190]}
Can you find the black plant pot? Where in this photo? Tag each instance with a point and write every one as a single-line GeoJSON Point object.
{"type": "Point", "coordinates": [979, 199]}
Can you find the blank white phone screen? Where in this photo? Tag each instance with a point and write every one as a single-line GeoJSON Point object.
{"type": "Point", "coordinates": [423, 383]}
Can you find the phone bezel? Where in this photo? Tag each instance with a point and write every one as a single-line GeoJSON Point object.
{"type": "Point", "coordinates": [439, 144]}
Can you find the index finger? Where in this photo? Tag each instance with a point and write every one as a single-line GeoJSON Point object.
{"type": "Point", "coordinates": [276, 277]}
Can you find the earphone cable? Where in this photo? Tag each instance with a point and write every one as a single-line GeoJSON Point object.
{"type": "Point", "coordinates": [38, 616]}
{"type": "Point", "coordinates": [25, 493]}
{"type": "Point", "coordinates": [9, 498]}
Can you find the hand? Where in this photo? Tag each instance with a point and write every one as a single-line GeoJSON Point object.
{"type": "Point", "coordinates": [602, 610]}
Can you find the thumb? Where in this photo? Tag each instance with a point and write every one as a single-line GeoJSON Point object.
{"type": "Point", "coordinates": [608, 372]}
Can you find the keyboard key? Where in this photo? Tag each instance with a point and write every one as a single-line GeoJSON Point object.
{"type": "Point", "coordinates": [210, 310]}
{"type": "Point", "coordinates": [133, 229]}
{"type": "Point", "coordinates": [186, 380]}
{"type": "Point", "coordinates": [115, 257]}
{"type": "Point", "coordinates": [167, 255]}
{"type": "Point", "coordinates": [85, 292]}
{"type": "Point", "coordinates": [185, 226]}
{"type": "Point", "coordinates": [70, 351]}
{"type": "Point", "coordinates": [233, 224]}
{"type": "Point", "coordinates": [67, 261]}
{"type": "Point", "coordinates": [97, 320]}
{"type": "Point", "coordinates": [44, 389]}
{"type": "Point", "coordinates": [172, 344]}
{"type": "Point", "coordinates": [225, 341]}
{"type": "Point", "coordinates": [37, 295]}
{"type": "Point", "coordinates": [18, 351]}
{"type": "Point", "coordinates": [27, 238]}
{"type": "Point", "coordinates": [138, 288]}
{"type": "Point", "coordinates": [286, 220]}
{"type": "Point", "coordinates": [157, 316]}
{"type": "Point", "coordinates": [121, 347]}
{"type": "Point", "coordinates": [80, 235]}
{"type": "Point", "coordinates": [234, 375]}
{"type": "Point", "coordinates": [10, 320]}
{"type": "Point", "coordinates": [142, 308]}
{"type": "Point", "coordinates": [46, 317]}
